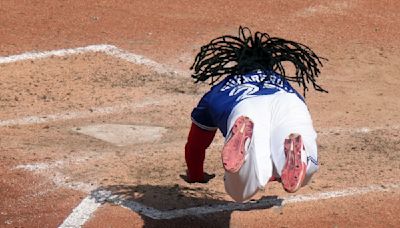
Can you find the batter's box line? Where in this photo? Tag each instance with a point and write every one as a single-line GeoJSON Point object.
{"type": "Point", "coordinates": [89, 205]}
{"type": "Point", "coordinates": [362, 130]}
{"type": "Point", "coordinates": [91, 112]}
{"type": "Point", "coordinates": [103, 48]}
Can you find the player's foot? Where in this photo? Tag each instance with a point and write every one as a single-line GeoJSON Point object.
{"type": "Point", "coordinates": [294, 171]}
{"type": "Point", "coordinates": [234, 150]}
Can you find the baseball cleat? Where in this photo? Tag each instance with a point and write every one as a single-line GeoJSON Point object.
{"type": "Point", "coordinates": [294, 171]}
{"type": "Point", "coordinates": [234, 150]}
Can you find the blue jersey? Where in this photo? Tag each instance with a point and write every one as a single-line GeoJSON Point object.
{"type": "Point", "coordinates": [215, 106]}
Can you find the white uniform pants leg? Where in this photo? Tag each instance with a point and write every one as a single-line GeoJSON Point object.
{"type": "Point", "coordinates": [291, 115]}
{"type": "Point", "coordinates": [275, 117]}
{"type": "Point", "coordinates": [257, 167]}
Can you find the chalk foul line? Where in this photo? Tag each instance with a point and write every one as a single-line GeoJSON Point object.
{"type": "Point", "coordinates": [88, 206]}
{"type": "Point", "coordinates": [83, 211]}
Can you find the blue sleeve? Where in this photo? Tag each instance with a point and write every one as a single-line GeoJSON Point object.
{"type": "Point", "coordinates": [201, 115]}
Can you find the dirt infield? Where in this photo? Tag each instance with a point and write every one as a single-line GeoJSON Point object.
{"type": "Point", "coordinates": [52, 174]}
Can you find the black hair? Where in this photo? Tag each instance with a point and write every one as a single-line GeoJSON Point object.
{"type": "Point", "coordinates": [231, 55]}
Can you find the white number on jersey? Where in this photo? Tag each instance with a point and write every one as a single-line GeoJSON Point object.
{"type": "Point", "coordinates": [247, 89]}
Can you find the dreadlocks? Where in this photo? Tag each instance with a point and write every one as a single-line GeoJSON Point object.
{"type": "Point", "coordinates": [231, 55]}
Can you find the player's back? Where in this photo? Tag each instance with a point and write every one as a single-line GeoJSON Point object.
{"type": "Point", "coordinates": [225, 95]}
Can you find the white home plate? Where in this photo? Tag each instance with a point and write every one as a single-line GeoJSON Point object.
{"type": "Point", "coordinates": [123, 135]}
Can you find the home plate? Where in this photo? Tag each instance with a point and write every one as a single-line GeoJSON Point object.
{"type": "Point", "coordinates": [123, 135]}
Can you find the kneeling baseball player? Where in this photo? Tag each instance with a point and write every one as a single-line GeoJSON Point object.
{"type": "Point", "coordinates": [268, 130]}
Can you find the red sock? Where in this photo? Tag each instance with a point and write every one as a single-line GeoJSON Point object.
{"type": "Point", "coordinates": [198, 141]}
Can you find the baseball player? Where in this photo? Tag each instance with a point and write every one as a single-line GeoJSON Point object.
{"type": "Point", "coordinates": [267, 127]}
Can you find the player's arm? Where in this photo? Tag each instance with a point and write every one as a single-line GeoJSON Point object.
{"type": "Point", "coordinates": [198, 141]}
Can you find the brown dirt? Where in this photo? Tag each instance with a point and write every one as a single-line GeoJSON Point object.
{"type": "Point", "coordinates": [360, 39]}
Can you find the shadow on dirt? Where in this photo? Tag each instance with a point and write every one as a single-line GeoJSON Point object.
{"type": "Point", "coordinates": [177, 206]}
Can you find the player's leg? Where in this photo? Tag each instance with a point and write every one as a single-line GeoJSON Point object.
{"type": "Point", "coordinates": [256, 169]}
{"type": "Point", "coordinates": [236, 144]}
{"type": "Point", "coordinates": [293, 141]}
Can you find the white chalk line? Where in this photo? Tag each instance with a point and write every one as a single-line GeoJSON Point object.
{"type": "Point", "coordinates": [138, 59]}
{"type": "Point", "coordinates": [104, 48]}
{"type": "Point", "coordinates": [89, 205]}
{"type": "Point", "coordinates": [362, 130]}
{"type": "Point", "coordinates": [69, 115]}
{"type": "Point", "coordinates": [82, 212]}
{"type": "Point", "coordinates": [60, 53]}
{"type": "Point", "coordinates": [339, 8]}
{"type": "Point", "coordinates": [263, 203]}
{"type": "Point", "coordinates": [51, 171]}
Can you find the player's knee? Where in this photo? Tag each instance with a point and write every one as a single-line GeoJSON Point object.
{"type": "Point", "coordinates": [241, 197]}
{"type": "Point", "coordinates": [240, 192]}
